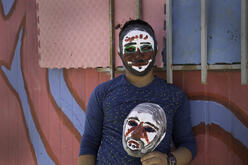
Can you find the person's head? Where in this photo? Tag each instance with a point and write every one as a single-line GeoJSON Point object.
{"type": "Point", "coordinates": [143, 129]}
{"type": "Point", "coordinates": [137, 47]}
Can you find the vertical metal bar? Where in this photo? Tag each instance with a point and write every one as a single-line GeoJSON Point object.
{"type": "Point", "coordinates": [169, 75]}
{"type": "Point", "coordinates": [244, 72]}
{"type": "Point", "coordinates": [204, 42]}
{"type": "Point", "coordinates": [112, 39]}
{"type": "Point", "coordinates": [139, 9]}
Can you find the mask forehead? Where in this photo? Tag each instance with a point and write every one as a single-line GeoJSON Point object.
{"type": "Point", "coordinates": [143, 117]}
{"type": "Point", "coordinates": [137, 37]}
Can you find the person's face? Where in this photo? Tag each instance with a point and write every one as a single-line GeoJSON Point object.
{"type": "Point", "coordinates": [138, 51]}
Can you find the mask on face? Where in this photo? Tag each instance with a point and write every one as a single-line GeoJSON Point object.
{"type": "Point", "coordinates": [143, 129]}
{"type": "Point", "coordinates": [138, 49]}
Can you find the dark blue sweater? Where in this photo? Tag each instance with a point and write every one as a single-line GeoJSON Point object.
{"type": "Point", "coordinates": [111, 102]}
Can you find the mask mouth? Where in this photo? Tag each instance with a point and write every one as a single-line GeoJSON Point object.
{"type": "Point", "coordinates": [138, 66]}
{"type": "Point", "coordinates": [134, 144]}
{"type": "Point", "coordinates": [138, 62]}
{"type": "Point", "coordinates": [139, 59]}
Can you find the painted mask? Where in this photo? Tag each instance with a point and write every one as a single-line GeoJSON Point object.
{"type": "Point", "coordinates": [137, 52]}
{"type": "Point", "coordinates": [143, 129]}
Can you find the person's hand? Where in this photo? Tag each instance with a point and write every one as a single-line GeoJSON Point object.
{"type": "Point", "coordinates": [154, 158]}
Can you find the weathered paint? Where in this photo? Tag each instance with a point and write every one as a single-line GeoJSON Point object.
{"type": "Point", "coordinates": [16, 146]}
{"type": "Point", "coordinates": [224, 31]}
{"type": "Point", "coordinates": [223, 92]}
{"type": "Point", "coordinates": [65, 100]}
{"type": "Point", "coordinates": [15, 78]}
{"type": "Point", "coordinates": [209, 112]}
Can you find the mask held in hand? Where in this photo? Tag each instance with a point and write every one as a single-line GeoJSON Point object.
{"type": "Point", "coordinates": [143, 129]}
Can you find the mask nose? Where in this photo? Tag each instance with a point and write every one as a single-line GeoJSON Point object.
{"type": "Point", "coordinates": [138, 54]}
{"type": "Point", "coordinates": [138, 132]}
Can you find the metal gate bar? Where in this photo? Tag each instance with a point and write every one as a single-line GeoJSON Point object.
{"type": "Point", "coordinates": [244, 72]}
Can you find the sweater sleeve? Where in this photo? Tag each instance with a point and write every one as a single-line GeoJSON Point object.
{"type": "Point", "coordinates": [91, 138]}
{"type": "Point", "coordinates": [182, 129]}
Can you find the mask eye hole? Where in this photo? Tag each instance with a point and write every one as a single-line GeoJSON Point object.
{"type": "Point", "coordinates": [146, 48]}
{"type": "Point", "coordinates": [150, 129]}
{"type": "Point", "coordinates": [132, 123]}
{"type": "Point", "coordinates": [129, 49]}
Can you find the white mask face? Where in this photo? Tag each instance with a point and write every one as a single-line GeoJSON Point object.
{"type": "Point", "coordinates": [138, 49]}
{"type": "Point", "coordinates": [143, 129]}
{"type": "Point", "coordinates": [140, 130]}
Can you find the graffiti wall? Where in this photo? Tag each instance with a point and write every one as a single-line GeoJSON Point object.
{"type": "Point", "coordinates": [43, 110]}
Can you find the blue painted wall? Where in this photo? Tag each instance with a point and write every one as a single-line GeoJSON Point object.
{"type": "Point", "coordinates": [224, 31]}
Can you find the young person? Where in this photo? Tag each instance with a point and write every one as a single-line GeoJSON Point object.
{"type": "Point", "coordinates": [111, 102]}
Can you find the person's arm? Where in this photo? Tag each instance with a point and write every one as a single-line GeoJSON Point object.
{"type": "Point", "coordinates": [183, 138]}
{"type": "Point", "coordinates": [92, 134]}
{"type": "Point", "coordinates": [183, 157]}
{"type": "Point", "coordinates": [182, 135]}
{"type": "Point", "coordinates": [87, 160]}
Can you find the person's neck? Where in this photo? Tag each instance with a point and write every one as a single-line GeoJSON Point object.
{"type": "Point", "coordinates": [139, 81]}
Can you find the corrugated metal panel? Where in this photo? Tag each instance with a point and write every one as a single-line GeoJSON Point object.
{"type": "Point", "coordinates": [224, 31]}
{"type": "Point", "coordinates": [73, 34]}
{"type": "Point", "coordinates": [15, 142]}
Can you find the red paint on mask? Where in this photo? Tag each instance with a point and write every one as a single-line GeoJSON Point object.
{"type": "Point", "coordinates": [138, 132]}
{"type": "Point", "coordinates": [129, 130]}
{"type": "Point", "coordinates": [138, 58]}
{"type": "Point", "coordinates": [130, 39]}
